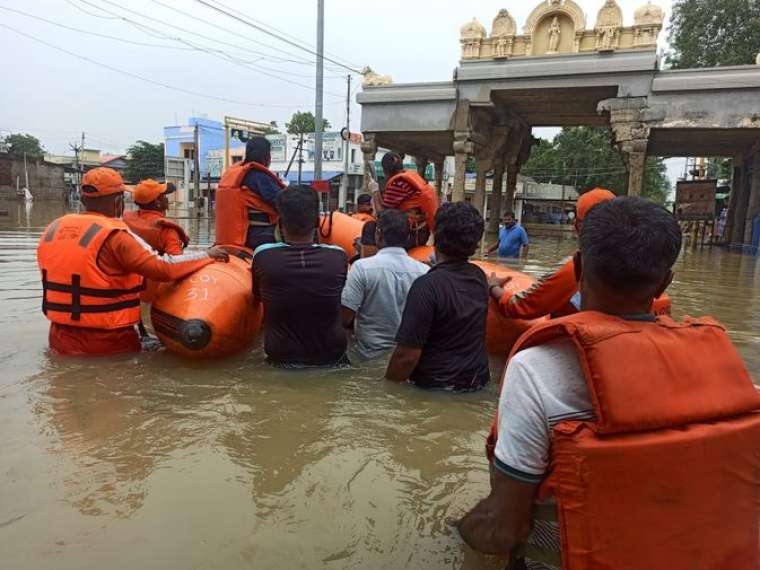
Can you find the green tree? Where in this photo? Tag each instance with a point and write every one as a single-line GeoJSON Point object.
{"type": "Point", "coordinates": [19, 144]}
{"type": "Point", "coordinates": [583, 157]}
{"type": "Point", "coordinates": [144, 160]}
{"type": "Point", "coordinates": [303, 123]}
{"type": "Point", "coordinates": [706, 33]}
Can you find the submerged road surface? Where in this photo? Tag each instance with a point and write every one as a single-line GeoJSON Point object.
{"type": "Point", "coordinates": [152, 462]}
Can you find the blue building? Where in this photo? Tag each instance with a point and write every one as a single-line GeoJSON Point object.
{"type": "Point", "coordinates": [179, 141]}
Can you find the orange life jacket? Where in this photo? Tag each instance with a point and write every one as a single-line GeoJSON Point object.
{"type": "Point", "coordinates": [149, 229]}
{"type": "Point", "coordinates": [668, 475]}
{"type": "Point", "coordinates": [424, 199]}
{"type": "Point", "coordinates": [363, 217]}
{"type": "Point", "coordinates": [75, 291]}
{"type": "Point", "coordinates": [234, 201]}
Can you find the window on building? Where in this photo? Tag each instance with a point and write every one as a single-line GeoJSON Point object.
{"type": "Point", "coordinates": [190, 153]}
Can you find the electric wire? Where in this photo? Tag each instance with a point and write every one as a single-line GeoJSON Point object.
{"type": "Point", "coordinates": [281, 32]}
{"type": "Point", "coordinates": [281, 38]}
{"type": "Point", "coordinates": [147, 79]}
{"type": "Point", "coordinates": [226, 30]}
{"type": "Point", "coordinates": [213, 52]}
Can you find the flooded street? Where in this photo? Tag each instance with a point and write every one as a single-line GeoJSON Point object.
{"type": "Point", "coordinates": [150, 461]}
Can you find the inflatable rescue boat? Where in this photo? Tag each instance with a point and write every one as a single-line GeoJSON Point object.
{"type": "Point", "coordinates": [501, 332]}
{"type": "Point", "coordinates": [210, 313]}
{"type": "Point", "coordinates": [340, 229]}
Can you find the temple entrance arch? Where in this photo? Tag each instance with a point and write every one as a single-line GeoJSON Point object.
{"type": "Point", "coordinates": [506, 84]}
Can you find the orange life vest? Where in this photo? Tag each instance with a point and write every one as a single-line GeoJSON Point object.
{"type": "Point", "coordinates": [363, 217]}
{"type": "Point", "coordinates": [424, 199]}
{"type": "Point", "coordinates": [75, 291]}
{"type": "Point", "coordinates": [668, 475]}
{"type": "Point", "coordinates": [234, 201]}
{"type": "Point", "coordinates": [149, 229]}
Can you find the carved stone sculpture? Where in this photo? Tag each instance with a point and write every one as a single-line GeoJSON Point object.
{"type": "Point", "coordinates": [503, 34]}
{"type": "Point", "coordinates": [372, 79]}
{"type": "Point", "coordinates": [471, 37]}
{"type": "Point", "coordinates": [609, 21]}
{"type": "Point", "coordinates": [605, 39]}
{"type": "Point", "coordinates": [555, 31]}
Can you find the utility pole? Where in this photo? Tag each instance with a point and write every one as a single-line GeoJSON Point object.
{"type": "Point", "coordinates": [343, 195]}
{"type": "Point", "coordinates": [196, 166]}
{"type": "Point", "coordinates": [320, 88]}
{"type": "Point", "coordinates": [81, 162]}
{"type": "Point", "coordinates": [300, 158]}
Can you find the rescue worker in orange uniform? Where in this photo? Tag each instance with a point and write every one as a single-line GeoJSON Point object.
{"type": "Point", "coordinates": [93, 269]}
{"type": "Point", "coordinates": [246, 211]}
{"type": "Point", "coordinates": [409, 192]}
{"type": "Point", "coordinates": [150, 221]}
{"type": "Point", "coordinates": [556, 294]}
{"type": "Point", "coordinates": [623, 440]}
{"type": "Point", "coordinates": [364, 212]}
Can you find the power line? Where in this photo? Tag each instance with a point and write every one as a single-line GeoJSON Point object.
{"type": "Point", "coordinates": [189, 15]}
{"type": "Point", "coordinates": [78, 7]}
{"type": "Point", "coordinates": [222, 28]}
{"type": "Point", "coordinates": [88, 32]}
{"type": "Point", "coordinates": [216, 53]}
{"type": "Point", "coordinates": [162, 35]}
{"type": "Point", "coordinates": [281, 32]}
{"type": "Point", "coordinates": [274, 35]}
{"type": "Point", "coordinates": [146, 79]}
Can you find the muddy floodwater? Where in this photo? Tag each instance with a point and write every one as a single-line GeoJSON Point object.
{"type": "Point", "coordinates": [152, 462]}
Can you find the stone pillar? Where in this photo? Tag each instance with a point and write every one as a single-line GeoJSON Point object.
{"type": "Point", "coordinates": [463, 148]}
{"type": "Point", "coordinates": [630, 135]}
{"type": "Point", "coordinates": [369, 149]}
{"type": "Point", "coordinates": [496, 190]}
{"type": "Point", "coordinates": [479, 199]}
{"type": "Point", "coordinates": [739, 201]}
{"type": "Point", "coordinates": [438, 166]}
{"type": "Point", "coordinates": [509, 198]}
{"type": "Point", "coordinates": [733, 200]}
{"type": "Point", "coordinates": [635, 161]}
{"type": "Point", "coordinates": [752, 187]}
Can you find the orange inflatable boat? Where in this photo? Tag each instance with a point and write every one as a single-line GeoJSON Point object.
{"type": "Point", "coordinates": [210, 313]}
{"type": "Point", "coordinates": [340, 229]}
{"type": "Point", "coordinates": [501, 332]}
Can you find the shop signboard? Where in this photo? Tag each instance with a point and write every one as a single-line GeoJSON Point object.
{"type": "Point", "coordinates": [695, 199]}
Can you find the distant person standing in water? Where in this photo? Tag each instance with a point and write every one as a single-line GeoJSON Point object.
{"type": "Point", "coordinates": [512, 238]}
{"type": "Point", "coordinates": [300, 284]}
{"type": "Point", "coordinates": [441, 342]}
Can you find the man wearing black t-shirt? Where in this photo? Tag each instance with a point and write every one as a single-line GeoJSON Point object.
{"type": "Point", "coordinates": [441, 340]}
{"type": "Point", "coordinates": [300, 284]}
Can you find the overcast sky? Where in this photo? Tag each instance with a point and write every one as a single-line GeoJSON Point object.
{"type": "Point", "coordinates": [56, 95]}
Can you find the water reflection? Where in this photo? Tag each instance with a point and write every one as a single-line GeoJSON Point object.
{"type": "Point", "coordinates": [236, 465]}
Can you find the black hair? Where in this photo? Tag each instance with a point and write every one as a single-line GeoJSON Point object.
{"type": "Point", "coordinates": [394, 227]}
{"type": "Point", "coordinates": [258, 150]}
{"type": "Point", "coordinates": [629, 245]}
{"type": "Point", "coordinates": [392, 162]}
{"type": "Point", "coordinates": [299, 209]}
{"type": "Point", "coordinates": [458, 229]}
{"type": "Point", "coordinates": [368, 233]}
{"type": "Point", "coordinates": [364, 199]}
{"type": "Point", "coordinates": [509, 214]}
